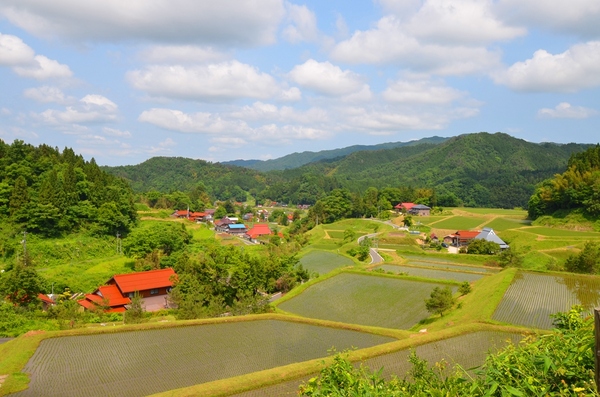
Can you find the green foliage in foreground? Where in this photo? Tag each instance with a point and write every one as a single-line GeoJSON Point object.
{"type": "Point", "coordinates": [557, 364]}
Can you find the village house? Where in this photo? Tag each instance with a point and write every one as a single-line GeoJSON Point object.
{"type": "Point", "coordinates": [152, 286]}
{"type": "Point", "coordinates": [259, 229]}
{"type": "Point", "coordinates": [420, 210]}
{"type": "Point", "coordinates": [488, 234]}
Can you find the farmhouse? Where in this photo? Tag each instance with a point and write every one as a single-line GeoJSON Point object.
{"type": "Point", "coordinates": [236, 228]}
{"type": "Point", "coordinates": [404, 207]}
{"type": "Point", "coordinates": [152, 286]}
{"type": "Point", "coordinates": [420, 210]}
{"type": "Point", "coordinates": [463, 237]}
{"type": "Point", "coordinates": [489, 235]}
{"type": "Point", "coordinates": [259, 229]}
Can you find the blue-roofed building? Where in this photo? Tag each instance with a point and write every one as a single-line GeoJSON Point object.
{"type": "Point", "coordinates": [236, 228]}
{"type": "Point", "coordinates": [488, 234]}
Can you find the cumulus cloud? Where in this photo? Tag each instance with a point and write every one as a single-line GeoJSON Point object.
{"type": "Point", "coordinates": [89, 109]}
{"type": "Point", "coordinates": [175, 54]}
{"type": "Point", "coordinates": [226, 126]}
{"type": "Point", "coordinates": [462, 22]}
{"type": "Point", "coordinates": [228, 22]}
{"type": "Point", "coordinates": [303, 24]}
{"type": "Point", "coordinates": [391, 43]}
{"type": "Point", "coordinates": [577, 17]}
{"type": "Point", "coordinates": [326, 78]}
{"type": "Point", "coordinates": [565, 110]}
{"type": "Point", "coordinates": [421, 91]}
{"type": "Point", "coordinates": [13, 51]}
{"type": "Point", "coordinates": [262, 112]}
{"type": "Point", "coordinates": [215, 82]}
{"type": "Point", "coordinates": [23, 61]}
{"type": "Point", "coordinates": [573, 70]}
{"type": "Point", "coordinates": [46, 94]}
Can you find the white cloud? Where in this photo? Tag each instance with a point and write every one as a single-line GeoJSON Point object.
{"type": "Point", "coordinates": [460, 22]}
{"type": "Point", "coordinates": [391, 43]}
{"type": "Point", "coordinates": [291, 95]}
{"type": "Point", "coordinates": [46, 94]}
{"type": "Point", "coordinates": [565, 110]}
{"type": "Point", "coordinates": [175, 54]}
{"type": "Point", "coordinates": [578, 17]}
{"type": "Point", "coordinates": [573, 70]}
{"type": "Point", "coordinates": [303, 24]}
{"type": "Point", "coordinates": [116, 133]}
{"type": "Point", "coordinates": [326, 78]}
{"type": "Point", "coordinates": [43, 68]}
{"type": "Point", "coordinates": [216, 82]}
{"type": "Point", "coordinates": [13, 51]}
{"type": "Point", "coordinates": [89, 109]}
{"type": "Point", "coordinates": [224, 126]}
{"type": "Point", "coordinates": [18, 55]}
{"type": "Point", "coordinates": [423, 91]}
{"type": "Point", "coordinates": [229, 22]}
{"type": "Point", "coordinates": [5, 112]}
{"type": "Point", "coordinates": [262, 112]}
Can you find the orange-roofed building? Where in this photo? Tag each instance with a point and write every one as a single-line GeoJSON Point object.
{"type": "Point", "coordinates": [463, 237]}
{"type": "Point", "coordinates": [153, 286]}
{"type": "Point", "coordinates": [259, 229]}
{"type": "Point", "coordinates": [46, 301]}
{"type": "Point", "coordinates": [404, 206]}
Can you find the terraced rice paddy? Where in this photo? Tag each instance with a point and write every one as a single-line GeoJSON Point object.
{"type": "Point", "coordinates": [531, 298]}
{"type": "Point", "coordinates": [450, 266]}
{"type": "Point", "coordinates": [146, 362]}
{"type": "Point", "coordinates": [366, 300]}
{"type": "Point", "coordinates": [431, 273]}
{"type": "Point", "coordinates": [323, 262]}
{"type": "Point", "coordinates": [467, 350]}
{"type": "Point", "coordinates": [458, 223]}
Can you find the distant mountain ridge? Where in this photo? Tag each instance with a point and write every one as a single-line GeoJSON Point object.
{"type": "Point", "coordinates": [295, 160]}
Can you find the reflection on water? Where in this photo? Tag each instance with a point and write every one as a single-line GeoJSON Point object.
{"type": "Point", "coordinates": [584, 288]}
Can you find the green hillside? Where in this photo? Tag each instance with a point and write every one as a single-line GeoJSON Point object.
{"type": "Point", "coordinates": [296, 160]}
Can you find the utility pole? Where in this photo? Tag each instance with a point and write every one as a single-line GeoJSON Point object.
{"type": "Point", "coordinates": [119, 248]}
{"type": "Point", "coordinates": [24, 241]}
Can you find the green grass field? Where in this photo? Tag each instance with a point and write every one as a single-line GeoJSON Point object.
{"type": "Point", "coordinates": [501, 224]}
{"type": "Point", "coordinates": [459, 223]}
{"type": "Point", "coordinates": [551, 232]}
{"type": "Point", "coordinates": [147, 362]}
{"type": "Point", "coordinates": [366, 300]}
{"type": "Point", "coordinates": [324, 261]}
{"type": "Point", "coordinates": [531, 298]}
{"type": "Point", "coordinates": [495, 211]}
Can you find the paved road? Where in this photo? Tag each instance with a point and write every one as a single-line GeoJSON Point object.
{"type": "Point", "coordinates": [375, 257]}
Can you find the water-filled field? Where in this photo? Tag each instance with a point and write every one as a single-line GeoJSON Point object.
{"type": "Point", "coordinates": [531, 298]}
{"type": "Point", "coordinates": [323, 261]}
{"type": "Point", "coordinates": [146, 362]}
{"type": "Point", "coordinates": [467, 350]}
{"type": "Point", "coordinates": [366, 300]}
{"type": "Point", "coordinates": [431, 273]}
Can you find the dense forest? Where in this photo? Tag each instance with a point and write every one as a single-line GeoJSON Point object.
{"type": "Point", "coordinates": [576, 188]}
{"type": "Point", "coordinates": [49, 192]}
{"type": "Point", "coordinates": [477, 170]}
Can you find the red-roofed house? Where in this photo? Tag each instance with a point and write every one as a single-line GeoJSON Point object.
{"type": "Point", "coordinates": [152, 286]}
{"type": "Point", "coordinates": [46, 301]}
{"type": "Point", "coordinates": [259, 229]}
{"type": "Point", "coordinates": [181, 214]}
{"type": "Point", "coordinates": [404, 206]}
{"type": "Point", "coordinates": [463, 237]}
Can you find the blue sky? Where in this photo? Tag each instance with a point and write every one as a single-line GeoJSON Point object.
{"type": "Point", "coordinates": [237, 79]}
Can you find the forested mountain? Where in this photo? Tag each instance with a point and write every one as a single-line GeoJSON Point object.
{"type": "Point", "coordinates": [296, 160]}
{"type": "Point", "coordinates": [486, 170]}
{"type": "Point", "coordinates": [576, 188]}
{"type": "Point", "coordinates": [48, 192]}
{"type": "Point", "coordinates": [167, 174]}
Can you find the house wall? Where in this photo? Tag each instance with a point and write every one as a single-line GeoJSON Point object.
{"type": "Point", "coordinates": [148, 293]}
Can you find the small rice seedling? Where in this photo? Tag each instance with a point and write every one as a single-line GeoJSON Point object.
{"type": "Point", "coordinates": [431, 273]}
{"type": "Point", "coordinates": [364, 299]}
{"type": "Point", "coordinates": [324, 261]}
{"type": "Point", "coordinates": [146, 362]}
{"type": "Point", "coordinates": [531, 298]}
